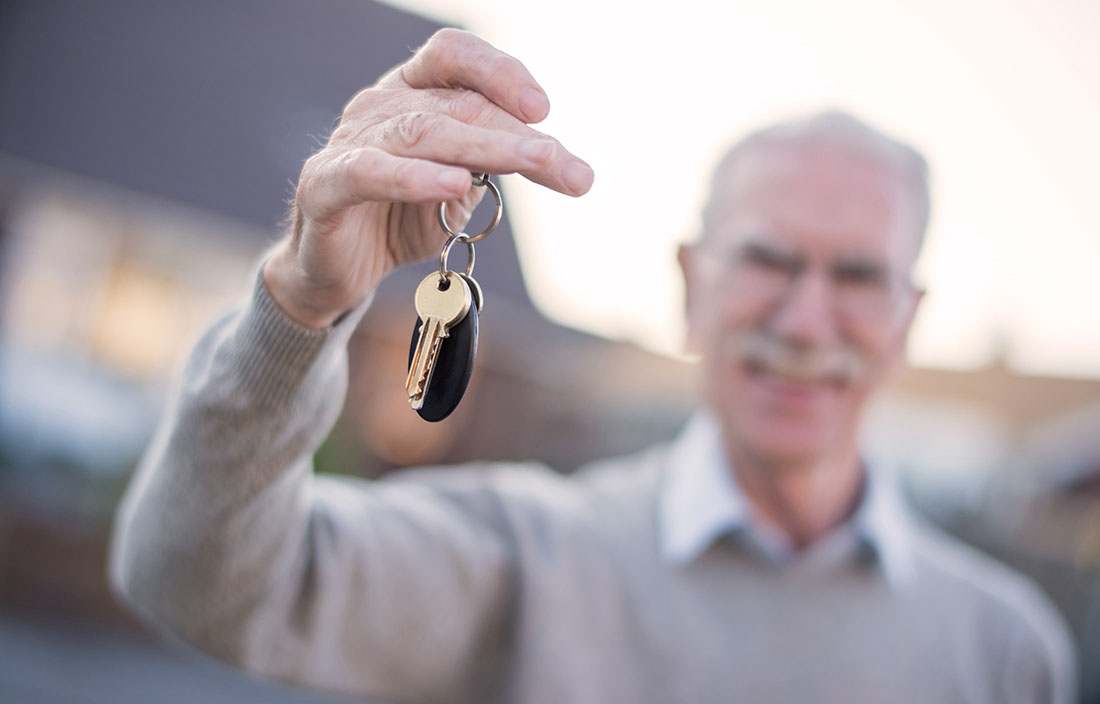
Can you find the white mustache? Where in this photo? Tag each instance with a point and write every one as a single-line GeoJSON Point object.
{"type": "Point", "coordinates": [761, 350]}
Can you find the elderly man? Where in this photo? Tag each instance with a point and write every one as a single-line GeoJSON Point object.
{"type": "Point", "coordinates": [754, 559]}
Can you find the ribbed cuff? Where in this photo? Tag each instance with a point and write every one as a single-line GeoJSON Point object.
{"type": "Point", "coordinates": [274, 353]}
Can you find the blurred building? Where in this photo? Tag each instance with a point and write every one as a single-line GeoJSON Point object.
{"type": "Point", "coordinates": [147, 151]}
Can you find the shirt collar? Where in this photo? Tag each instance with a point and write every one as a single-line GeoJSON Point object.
{"type": "Point", "coordinates": [700, 502]}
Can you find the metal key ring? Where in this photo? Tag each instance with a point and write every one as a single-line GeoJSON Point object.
{"type": "Point", "coordinates": [479, 180]}
{"type": "Point", "coordinates": [456, 237]}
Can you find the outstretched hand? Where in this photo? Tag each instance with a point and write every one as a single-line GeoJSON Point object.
{"type": "Point", "coordinates": [367, 202]}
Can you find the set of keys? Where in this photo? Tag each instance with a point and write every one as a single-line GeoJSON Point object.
{"type": "Point", "coordinates": [444, 340]}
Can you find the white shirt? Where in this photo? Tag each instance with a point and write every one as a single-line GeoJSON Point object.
{"type": "Point", "coordinates": [702, 503]}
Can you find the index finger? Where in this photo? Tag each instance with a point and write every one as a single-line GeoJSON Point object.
{"type": "Point", "coordinates": [453, 58]}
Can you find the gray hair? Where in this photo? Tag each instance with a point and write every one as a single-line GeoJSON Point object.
{"type": "Point", "coordinates": [843, 132]}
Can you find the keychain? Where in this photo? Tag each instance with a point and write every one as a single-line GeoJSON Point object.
{"type": "Point", "coordinates": [444, 340]}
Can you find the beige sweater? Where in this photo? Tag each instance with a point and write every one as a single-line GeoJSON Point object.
{"type": "Point", "coordinates": [510, 583]}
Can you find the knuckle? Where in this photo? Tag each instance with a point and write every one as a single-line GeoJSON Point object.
{"type": "Point", "coordinates": [411, 129]}
{"type": "Point", "coordinates": [444, 44]}
{"type": "Point", "coordinates": [403, 177]}
{"type": "Point", "coordinates": [356, 104]}
{"type": "Point", "coordinates": [447, 36]}
{"type": "Point", "coordinates": [356, 166]}
{"type": "Point", "coordinates": [473, 108]}
{"type": "Point", "coordinates": [311, 172]}
{"type": "Point", "coordinates": [313, 163]}
{"type": "Point", "coordinates": [344, 132]}
{"type": "Point", "coordinates": [360, 171]}
{"type": "Point", "coordinates": [502, 67]}
{"type": "Point", "coordinates": [551, 154]}
{"type": "Point", "coordinates": [310, 190]}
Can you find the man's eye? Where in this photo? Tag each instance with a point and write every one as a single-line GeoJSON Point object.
{"type": "Point", "coordinates": [860, 275]}
{"type": "Point", "coordinates": [762, 258]}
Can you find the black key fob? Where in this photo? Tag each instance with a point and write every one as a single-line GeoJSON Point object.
{"type": "Point", "coordinates": [453, 366]}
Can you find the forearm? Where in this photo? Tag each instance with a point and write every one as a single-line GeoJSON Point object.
{"type": "Point", "coordinates": [226, 539]}
{"type": "Point", "coordinates": [219, 507]}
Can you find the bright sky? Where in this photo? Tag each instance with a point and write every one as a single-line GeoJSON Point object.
{"type": "Point", "coordinates": [1002, 97]}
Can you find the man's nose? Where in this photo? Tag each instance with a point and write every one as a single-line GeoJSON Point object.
{"type": "Point", "coordinates": [805, 315]}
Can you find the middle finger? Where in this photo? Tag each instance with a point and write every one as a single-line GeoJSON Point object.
{"type": "Point", "coordinates": [443, 139]}
{"type": "Point", "coordinates": [497, 142]}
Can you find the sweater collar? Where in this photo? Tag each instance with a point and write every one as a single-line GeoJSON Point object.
{"type": "Point", "coordinates": [700, 502]}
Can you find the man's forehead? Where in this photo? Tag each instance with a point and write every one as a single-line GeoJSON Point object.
{"type": "Point", "coordinates": [805, 170]}
{"type": "Point", "coordinates": [782, 191]}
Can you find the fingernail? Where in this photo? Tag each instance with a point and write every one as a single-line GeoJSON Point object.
{"type": "Point", "coordinates": [535, 149]}
{"type": "Point", "coordinates": [534, 104]}
{"type": "Point", "coordinates": [578, 176]}
{"type": "Point", "coordinates": [453, 179]}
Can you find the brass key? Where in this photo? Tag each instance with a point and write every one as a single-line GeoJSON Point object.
{"type": "Point", "coordinates": [440, 303]}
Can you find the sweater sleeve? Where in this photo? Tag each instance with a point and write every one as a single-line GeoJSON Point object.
{"type": "Point", "coordinates": [226, 539]}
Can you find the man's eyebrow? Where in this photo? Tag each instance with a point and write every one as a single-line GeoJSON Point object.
{"type": "Point", "coordinates": [860, 260]}
{"type": "Point", "coordinates": [758, 244]}
{"type": "Point", "coordinates": [861, 264]}
{"type": "Point", "coordinates": [740, 244]}
{"type": "Point", "coordinates": [750, 238]}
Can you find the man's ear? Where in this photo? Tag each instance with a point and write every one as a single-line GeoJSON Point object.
{"type": "Point", "coordinates": [905, 323]}
{"type": "Point", "coordinates": [686, 256]}
{"type": "Point", "coordinates": [912, 306]}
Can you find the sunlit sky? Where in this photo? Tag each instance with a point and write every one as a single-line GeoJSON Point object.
{"type": "Point", "coordinates": [1002, 97]}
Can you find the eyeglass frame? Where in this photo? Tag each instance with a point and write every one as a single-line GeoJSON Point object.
{"type": "Point", "coordinates": [769, 259]}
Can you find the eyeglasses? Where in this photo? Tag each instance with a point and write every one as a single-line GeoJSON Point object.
{"type": "Point", "coordinates": [860, 288]}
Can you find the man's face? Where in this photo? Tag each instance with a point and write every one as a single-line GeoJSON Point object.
{"type": "Point", "coordinates": [799, 298]}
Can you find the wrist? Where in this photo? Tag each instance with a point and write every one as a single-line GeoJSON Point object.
{"type": "Point", "coordinates": [290, 289]}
